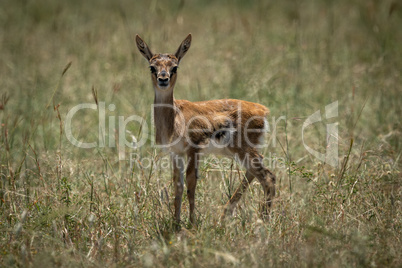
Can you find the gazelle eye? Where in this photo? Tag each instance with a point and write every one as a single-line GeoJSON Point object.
{"type": "Point", "coordinates": [174, 70]}
{"type": "Point", "coordinates": [153, 69]}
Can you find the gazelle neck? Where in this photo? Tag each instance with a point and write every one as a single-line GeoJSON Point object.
{"type": "Point", "coordinates": [162, 97]}
{"type": "Point", "coordinates": [164, 116]}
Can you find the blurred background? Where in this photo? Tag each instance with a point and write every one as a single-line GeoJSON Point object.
{"type": "Point", "coordinates": [295, 57]}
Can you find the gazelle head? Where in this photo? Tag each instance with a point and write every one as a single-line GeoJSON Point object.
{"type": "Point", "coordinates": [163, 66]}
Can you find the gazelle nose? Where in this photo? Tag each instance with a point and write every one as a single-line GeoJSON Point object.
{"type": "Point", "coordinates": [163, 80]}
{"type": "Point", "coordinates": [163, 77]}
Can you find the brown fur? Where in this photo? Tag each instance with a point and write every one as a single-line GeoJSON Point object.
{"type": "Point", "coordinates": [196, 124]}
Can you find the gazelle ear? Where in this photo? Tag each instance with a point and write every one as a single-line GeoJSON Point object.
{"type": "Point", "coordinates": [183, 48]}
{"type": "Point", "coordinates": [143, 48]}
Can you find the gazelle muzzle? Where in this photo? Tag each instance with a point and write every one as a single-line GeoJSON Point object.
{"type": "Point", "coordinates": [163, 79]}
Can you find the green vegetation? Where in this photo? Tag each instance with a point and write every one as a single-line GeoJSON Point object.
{"type": "Point", "coordinates": [61, 205]}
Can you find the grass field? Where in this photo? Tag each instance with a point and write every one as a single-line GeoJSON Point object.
{"type": "Point", "coordinates": [111, 205]}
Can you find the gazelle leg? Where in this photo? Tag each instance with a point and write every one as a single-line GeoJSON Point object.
{"type": "Point", "coordinates": [267, 180]}
{"type": "Point", "coordinates": [178, 181]}
{"type": "Point", "coordinates": [231, 204]}
{"type": "Point", "coordinates": [191, 179]}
